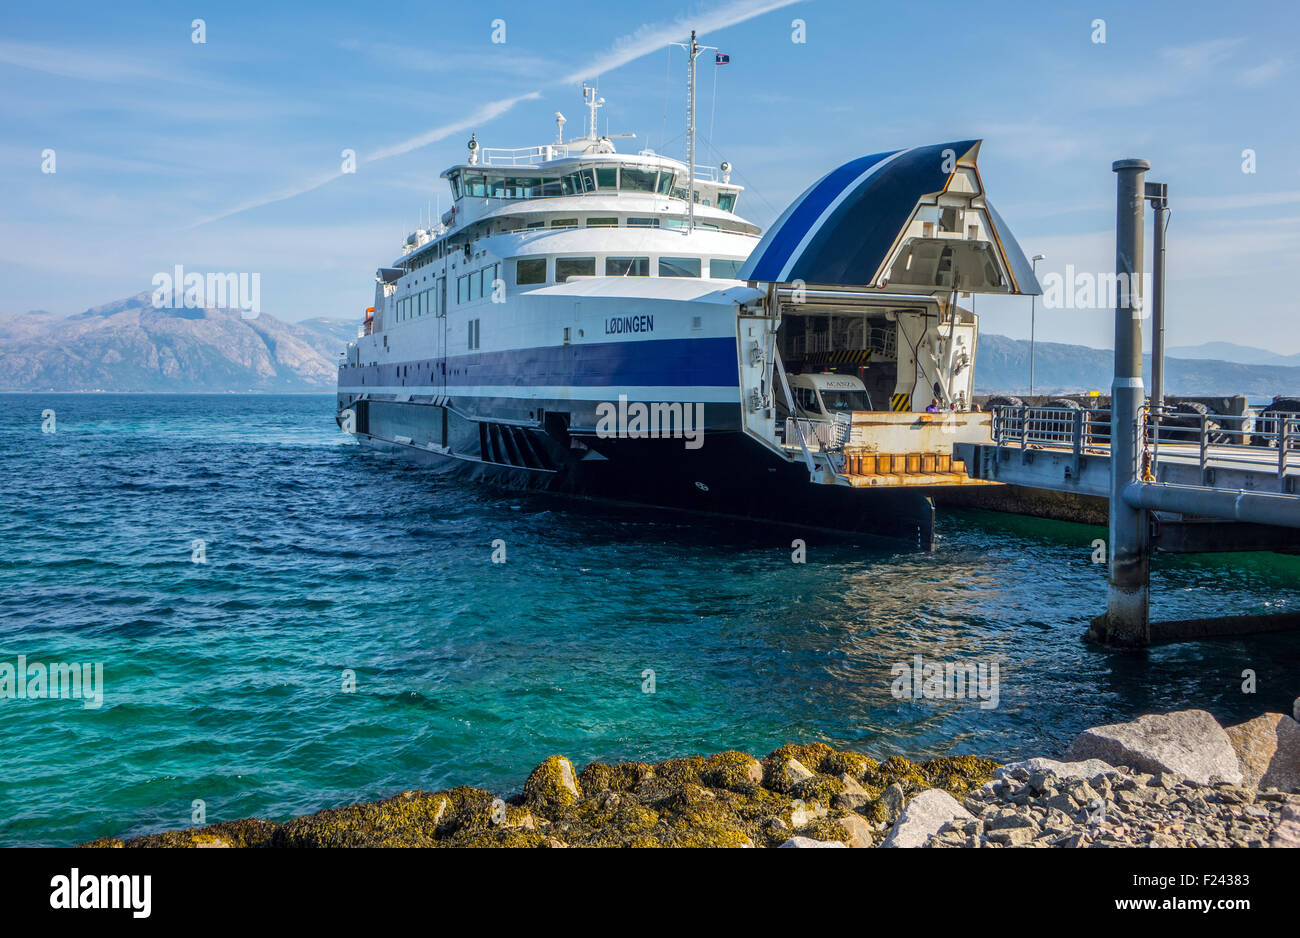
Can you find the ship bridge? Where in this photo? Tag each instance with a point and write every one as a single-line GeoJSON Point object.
{"type": "Point", "coordinates": [862, 276]}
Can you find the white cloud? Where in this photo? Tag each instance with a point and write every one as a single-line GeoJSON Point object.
{"type": "Point", "coordinates": [1263, 73]}
{"type": "Point", "coordinates": [1200, 56]}
{"type": "Point", "coordinates": [79, 64]}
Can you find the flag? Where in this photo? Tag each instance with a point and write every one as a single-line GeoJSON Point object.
{"type": "Point", "coordinates": [721, 58]}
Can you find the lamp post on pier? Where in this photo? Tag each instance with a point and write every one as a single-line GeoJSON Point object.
{"type": "Point", "coordinates": [1032, 315]}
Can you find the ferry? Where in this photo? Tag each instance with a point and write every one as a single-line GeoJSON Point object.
{"type": "Point", "coordinates": [607, 325]}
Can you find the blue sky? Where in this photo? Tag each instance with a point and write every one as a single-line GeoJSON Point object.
{"type": "Point", "coordinates": [225, 156]}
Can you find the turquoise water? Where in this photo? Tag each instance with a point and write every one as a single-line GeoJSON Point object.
{"type": "Point", "coordinates": [223, 681]}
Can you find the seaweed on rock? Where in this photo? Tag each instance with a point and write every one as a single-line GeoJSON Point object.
{"type": "Point", "coordinates": [729, 799]}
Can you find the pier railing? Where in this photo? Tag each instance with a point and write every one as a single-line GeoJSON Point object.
{"type": "Point", "coordinates": [1266, 442]}
{"type": "Point", "coordinates": [1056, 427]}
{"type": "Point", "coordinates": [1257, 442]}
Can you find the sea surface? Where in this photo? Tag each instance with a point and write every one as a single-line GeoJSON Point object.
{"type": "Point", "coordinates": [225, 681]}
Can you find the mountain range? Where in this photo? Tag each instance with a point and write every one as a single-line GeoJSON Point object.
{"type": "Point", "coordinates": [129, 345]}
{"type": "Point", "coordinates": [1002, 365]}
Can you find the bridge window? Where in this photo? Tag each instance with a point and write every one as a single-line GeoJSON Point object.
{"type": "Point", "coordinates": [679, 266]}
{"type": "Point", "coordinates": [476, 186]}
{"type": "Point", "coordinates": [627, 267]}
{"type": "Point", "coordinates": [607, 177]}
{"type": "Point", "coordinates": [638, 180]}
{"type": "Point", "coordinates": [723, 269]}
{"type": "Point", "coordinates": [666, 181]}
{"type": "Point", "coordinates": [566, 267]}
{"type": "Point", "coordinates": [530, 270]}
{"type": "Point", "coordinates": [577, 183]}
{"type": "Point", "coordinates": [727, 201]}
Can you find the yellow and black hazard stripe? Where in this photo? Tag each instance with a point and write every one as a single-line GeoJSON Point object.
{"type": "Point", "coordinates": [842, 356]}
{"type": "Point", "coordinates": [900, 402]}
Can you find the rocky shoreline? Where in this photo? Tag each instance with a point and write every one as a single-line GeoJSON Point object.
{"type": "Point", "coordinates": [1164, 780]}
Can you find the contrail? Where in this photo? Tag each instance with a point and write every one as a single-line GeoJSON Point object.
{"type": "Point", "coordinates": [648, 38]}
{"type": "Point", "coordinates": [483, 114]}
{"type": "Point", "coordinates": [651, 38]}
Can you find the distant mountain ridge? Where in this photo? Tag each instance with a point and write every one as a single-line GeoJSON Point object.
{"type": "Point", "coordinates": [128, 345]}
{"type": "Point", "coordinates": [1231, 352]}
{"type": "Point", "coordinates": [1002, 365]}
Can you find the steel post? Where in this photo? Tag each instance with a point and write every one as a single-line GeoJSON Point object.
{"type": "Point", "coordinates": [1158, 193]}
{"type": "Point", "coordinates": [1127, 621]}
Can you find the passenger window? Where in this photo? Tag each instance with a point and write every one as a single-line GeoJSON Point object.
{"type": "Point", "coordinates": [602, 222]}
{"type": "Point", "coordinates": [566, 267]}
{"type": "Point", "coordinates": [723, 269]}
{"type": "Point", "coordinates": [679, 266]}
{"type": "Point", "coordinates": [564, 223]}
{"type": "Point", "coordinates": [627, 267]}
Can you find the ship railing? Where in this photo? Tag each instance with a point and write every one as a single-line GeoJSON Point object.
{"type": "Point", "coordinates": [523, 156]}
{"type": "Point", "coordinates": [876, 339]}
{"type": "Point", "coordinates": [820, 436]}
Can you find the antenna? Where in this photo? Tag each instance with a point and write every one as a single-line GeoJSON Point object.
{"type": "Point", "coordinates": [593, 102]}
{"type": "Point", "coordinates": [692, 51]}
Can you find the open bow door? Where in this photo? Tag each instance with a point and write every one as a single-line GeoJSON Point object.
{"type": "Point", "coordinates": [913, 221]}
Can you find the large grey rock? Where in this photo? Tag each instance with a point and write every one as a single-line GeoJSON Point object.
{"type": "Point", "coordinates": [1187, 742]}
{"type": "Point", "coordinates": [1089, 768]}
{"type": "Point", "coordinates": [1268, 749]}
{"type": "Point", "coordinates": [809, 842]}
{"type": "Point", "coordinates": [923, 817]}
